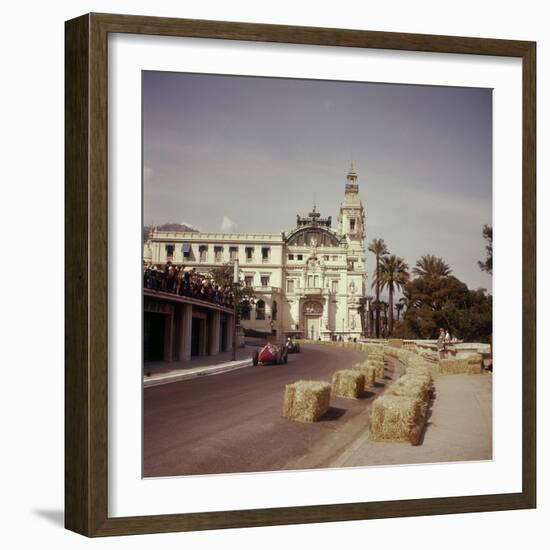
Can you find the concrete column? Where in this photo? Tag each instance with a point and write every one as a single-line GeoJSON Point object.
{"type": "Point", "coordinates": [169, 338]}
{"type": "Point", "coordinates": [214, 329]}
{"type": "Point", "coordinates": [185, 325]}
{"type": "Point", "coordinates": [229, 333]}
{"type": "Point", "coordinates": [203, 333]}
{"type": "Point", "coordinates": [325, 316]}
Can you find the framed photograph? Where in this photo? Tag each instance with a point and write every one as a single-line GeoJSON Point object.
{"type": "Point", "coordinates": [300, 275]}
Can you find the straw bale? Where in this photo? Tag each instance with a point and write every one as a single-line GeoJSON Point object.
{"type": "Point", "coordinates": [348, 383]}
{"type": "Point", "coordinates": [424, 370]}
{"type": "Point", "coordinates": [397, 418]}
{"type": "Point", "coordinates": [461, 366]}
{"type": "Point", "coordinates": [306, 400]}
{"type": "Point", "coordinates": [378, 368]}
{"type": "Point", "coordinates": [417, 386]}
{"type": "Point", "coordinates": [475, 359]}
{"type": "Point", "coordinates": [395, 343]}
{"type": "Point", "coordinates": [368, 372]}
{"type": "Point", "coordinates": [375, 349]}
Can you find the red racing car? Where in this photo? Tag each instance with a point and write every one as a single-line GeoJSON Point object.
{"type": "Point", "coordinates": [271, 354]}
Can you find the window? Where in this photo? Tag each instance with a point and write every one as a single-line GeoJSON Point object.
{"type": "Point", "coordinates": [249, 251]}
{"type": "Point", "coordinates": [326, 258]}
{"type": "Point", "coordinates": [260, 310]}
{"type": "Point", "coordinates": [334, 287]}
{"type": "Point", "coordinates": [186, 249]}
{"type": "Point", "coordinates": [264, 280]}
{"type": "Point", "coordinates": [265, 254]}
{"type": "Point", "coordinates": [316, 282]}
{"type": "Point", "coordinates": [218, 254]}
{"type": "Point", "coordinates": [291, 256]}
{"type": "Point", "coordinates": [170, 251]}
{"type": "Point", "coordinates": [310, 281]}
{"type": "Point", "coordinates": [290, 285]}
{"type": "Point", "coordinates": [274, 311]}
{"type": "Point", "coordinates": [300, 257]}
{"type": "Point", "coordinates": [248, 280]}
{"type": "Point", "coordinates": [233, 253]}
{"type": "Point", "coordinates": [352, 225]}
{"type": "Point", "coordinates": [245, 310]}
{"type": "Point", "coordinates": [203, 253]}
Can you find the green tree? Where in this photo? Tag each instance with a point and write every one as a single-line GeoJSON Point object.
{"type": "Point", "coordinates": [379, 249]}
{"type": "Point", "coordinates": [432, 265]}
{"type": "Point", "coordinates": [392, 275]}
{"type": "Point", "coordinates": [434, 302]}
{"type": "Point", "coordinates": [487, 265]}
{"type": "Point", "coordinates": [399, 308]}
{"type": "Point", "coordinates": [383, 306]}
{"type": "Point", "coordinates": [362, 310]}
{"type": "Point", "coordinates": [244, 295]}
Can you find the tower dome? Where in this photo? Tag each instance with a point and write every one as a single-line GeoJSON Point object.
{"type": "Point", "coordinates": [351, 181]}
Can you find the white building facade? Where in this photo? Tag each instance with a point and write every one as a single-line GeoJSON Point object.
{"type": "Point", "coordinates": [308, 281]}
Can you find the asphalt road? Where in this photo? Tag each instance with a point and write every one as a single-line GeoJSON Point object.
{"type": "Point", "coordinates": [232, 422]}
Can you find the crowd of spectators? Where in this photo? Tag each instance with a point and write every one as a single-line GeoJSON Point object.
{"type": "Point", "coordinates": [186, 282]}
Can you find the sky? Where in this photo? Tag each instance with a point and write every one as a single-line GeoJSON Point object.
{"type": "Point", "coordinates": [247, 154]}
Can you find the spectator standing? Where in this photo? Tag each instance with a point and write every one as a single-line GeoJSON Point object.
{"type": "Point", "coordinates": [441, 343]}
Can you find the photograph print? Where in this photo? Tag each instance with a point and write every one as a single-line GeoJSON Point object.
{"type": "Point", "coordinates": [317, 274]}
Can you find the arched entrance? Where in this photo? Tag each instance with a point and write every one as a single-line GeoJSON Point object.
{"type": "Point", "coordinates": [312, 312]}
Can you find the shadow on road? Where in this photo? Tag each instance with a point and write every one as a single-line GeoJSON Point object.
{"type": "Point", "coordinates": [333, 413]}
{"type": "Point", "coordinates": [367, 394]}
{"type": "Point", "coordinates": [427, 422]}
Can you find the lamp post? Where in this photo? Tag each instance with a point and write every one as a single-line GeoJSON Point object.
{"type": "Point", "coordinates": [235, 287]}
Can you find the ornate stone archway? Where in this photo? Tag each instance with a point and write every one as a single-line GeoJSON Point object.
{"type": "Point", "coordinates": [312, 312]}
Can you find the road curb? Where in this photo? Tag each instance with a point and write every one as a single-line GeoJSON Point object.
{"type": "Point", "coordinates": [206, 371]}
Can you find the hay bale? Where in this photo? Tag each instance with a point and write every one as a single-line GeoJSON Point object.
{"type": "Point", "coordinates": [375, 349]}
{"type": "Point", "coordinates": [466, 365]}
{"type": "Point", "coordinates": [348, 383]}
{"type": "Point", "coordinates": [368, 372]}
{"type": "Point", "coordinates": [397, 418]}
{"type": "Point", "coordinates": [417, 386]}
{"type": "Point", "coordinates": [395, 343]}
{"type": "Point", "coordinates": [424, 370]}
{"type": "Point", "coordinates": [378, 367]}
{"type": "Point", "coordinates": [306, 400]}
{"type": "Point", "coordinates": [475, 359]}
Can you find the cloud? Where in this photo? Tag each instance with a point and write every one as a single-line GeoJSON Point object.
{"type": "Point", "coordinates": [228, 225]}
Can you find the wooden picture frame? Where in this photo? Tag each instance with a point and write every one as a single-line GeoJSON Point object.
{"type": "Point", "coordinates": [86, 268]}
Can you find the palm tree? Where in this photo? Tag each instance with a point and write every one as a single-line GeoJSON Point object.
{"type": "Point", "coordinates": [430, 265]}
{"type": "Point", "coordinates": [362, 309]}
{"type": "Point", "coordinates": [379, 249]}
{"type": "Point", "coordinates": [383, 306]}
{"type": "Point", "coordinates": [487, 265]}
{"type": "Point", "coordinates": [399, 307]}
{"type": "Point", "coordinates": [393, 275]}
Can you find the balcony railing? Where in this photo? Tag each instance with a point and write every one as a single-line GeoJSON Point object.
{"type": "Point", "coordinates": [312, 291]}
{"type": "Point", "coordinates": [272, 289]}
